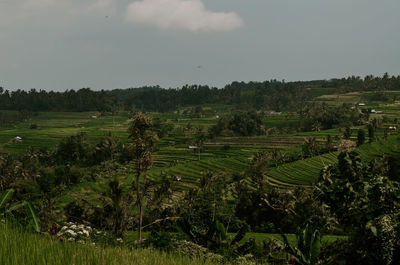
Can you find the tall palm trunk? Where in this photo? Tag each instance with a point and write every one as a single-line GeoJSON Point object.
{"type": "Point", "coordinates": [140, 205]}
{"type": "Point", "coordinates": [140, 222]}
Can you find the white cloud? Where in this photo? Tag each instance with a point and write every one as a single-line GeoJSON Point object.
{"type": "Point", "coordinates": [181, 14]}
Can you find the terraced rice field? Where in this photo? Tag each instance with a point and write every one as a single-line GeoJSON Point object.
{"type": "Point", "coordinates": [266, 141]}
{"type": "Point", "coordinates": [338, 99]}
{"type": "Point", "coordinates": [224, 155]}
{"type": "Point", "coordinates": [305, 172]}
{"type": "Point", "coordinates": [190, 172]}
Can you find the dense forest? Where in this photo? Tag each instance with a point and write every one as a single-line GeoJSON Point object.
{"type": "Point", "coordinates": [273, 94]}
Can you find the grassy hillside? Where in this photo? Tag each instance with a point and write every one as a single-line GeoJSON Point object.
{"type": "Point", "coordinates": [20, 247]}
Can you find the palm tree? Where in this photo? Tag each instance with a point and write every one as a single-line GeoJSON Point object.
{"type": "Point", "coordinates": [200, 138]}
{"type": "Point", "coordinates": [144, 140]}
{"type": "Point", "coordinates": [317, 126]}
{"type": "Point", "coordinates": [310, 146]}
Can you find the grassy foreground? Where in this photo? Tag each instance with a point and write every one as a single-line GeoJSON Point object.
{"type": "Point", "coordinates": [20, 247]}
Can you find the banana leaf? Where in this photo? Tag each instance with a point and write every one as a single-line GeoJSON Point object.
{"type": "Point", "coordinates": [34, 220]}
{"type": "Point", "coordinates": [5, 197]}
{"type": "Point", "coordinates": [15, 206]}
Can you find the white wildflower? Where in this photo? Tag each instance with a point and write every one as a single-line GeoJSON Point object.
{"type": "Point", "coordinates": [71, 232]}
{"type": "Point", "coordinates": [85, 232]}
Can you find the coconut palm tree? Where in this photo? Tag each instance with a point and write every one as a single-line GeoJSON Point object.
{"type": "Point", "coordinates": [143, 141]}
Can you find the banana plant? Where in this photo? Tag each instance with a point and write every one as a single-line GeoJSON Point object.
{"type": "Point", "coordinates": [215, 237]}
{"type": "Point", "coordinates": [308, 245]}
{"type": "Point", "coordinates": [6, 196]}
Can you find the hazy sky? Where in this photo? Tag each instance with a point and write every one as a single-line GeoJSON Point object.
{"type": "Point", "coordinates": [105, 44]}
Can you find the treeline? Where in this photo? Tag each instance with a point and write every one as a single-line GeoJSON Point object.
{"type": "Point", "coordinates": [273, 94]}
{"type": "Point", "coordinates": [269, 94]}
{"type": "Point", "coordinates": [369, 83]}
{"type": "Point", "coordinates": [83, 99]}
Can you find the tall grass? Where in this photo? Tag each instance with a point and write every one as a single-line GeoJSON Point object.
{"type": "Point", "coordinates": [19, 247]}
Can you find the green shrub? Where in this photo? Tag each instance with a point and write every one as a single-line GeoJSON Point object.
{"type": "Point", "coordinates": [160, 240]}
{"type": "Point", "coordinates": [195, 251]}
{"type": "Point", "coordinates": [33, 126]}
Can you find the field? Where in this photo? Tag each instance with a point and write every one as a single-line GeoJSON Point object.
{"type": "Point", "coordinates": [224, 155]}
{"type": "Point", "coordinates": [54, 126]}
{"type": "Point", "coordinates": [22, 247]}
{"type": "Point", "coordinates": [305, 172]}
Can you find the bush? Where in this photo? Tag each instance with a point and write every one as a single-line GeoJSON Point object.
{"type": "Point", "coordinates": [226, 147]}
{"type": "Point", "coordinates": [86, 234]}
{"type": "Point", "coordinates": [360, 137]}
{"type": "Point", "coordinates": [33, 126]}
{"type": "Point", "coordinates": [346, 146]}
{"type": "Point", "coordinates": [76, 175]}
{"type": "Point", "coordinates": [195, 251]}
{"type": "Point", "coordinates": [47, 179]}
{"type": "Point", "coordinates": [74, 210]}
{"type": "Point", "coordinates": [68, 175]}
{"type": "Point", "coordinates": [74, 149]}
{"type": "Point", "coordinates": [73, 232]}
{"type": "Point", "coordinates": [159, 240]}
{"type": "Point", "coordinates": [240, 123]}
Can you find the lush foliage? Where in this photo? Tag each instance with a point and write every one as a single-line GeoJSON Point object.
{"type": "Point", "coordinates": [241, 123]}
{"type": "Point", "coordinates": [365, 200]}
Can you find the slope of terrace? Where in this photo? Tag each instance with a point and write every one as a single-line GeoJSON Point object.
{"type": "Point", "coordinates": [305, 172]}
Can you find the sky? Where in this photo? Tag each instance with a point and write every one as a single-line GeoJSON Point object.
{"type": "Point", "coordinates": [107, 44]}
